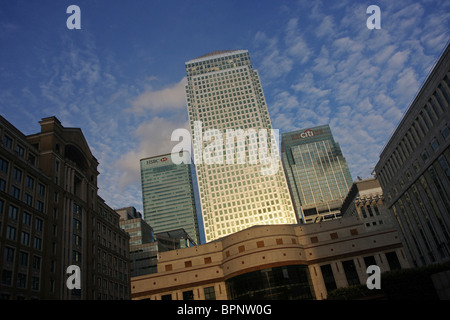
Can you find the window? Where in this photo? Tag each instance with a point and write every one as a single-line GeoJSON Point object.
{"type": "Point", "coordinates": [3, 165]}
{"type": "Point", "coordinates": [38, 224]}
{"type": "Point", "coordinates": [210, 293]}
{"type": "Point", "coordinates": [328, 277]}
{"type": "Point", "coordinates": [9, 254]}
{"type": "Point", "coordinates": [29, 182]}
{"type": "Point", "coordinates": [76, 256]}
{"type": "Point", "coordinates": [20, 150]}
{"type": "Point", "coordinates": [23, 259]}
{"type": "Point", "coordinates": [35, 283]}
{"type": "Point", "coordinates": [15, 192]}
{"type": "Point", "coordinates": [13, 211]}
{"type": "Point", "coordinates": [434, 144]}
{"type": "Point", "coordinates": [6, 277]}
{"type": "Point", "coordinates": [26, 219]}
{"type": "Point", "coordinates": [350, 272]}
{"type": "Point", "coordinates": [37, 243]}
{"type": "Point", "coordinates": [25, 238]}
{"type": "Point", "coordinates": [369, 261]}
{"type": "Point", "coordinates": [188, 295]}
{"type": "Point", "coordinates": [36, 263]}
{"type": "Point", "coordinates": [7, 141]}
{"type": "Point", "coordinates": [11, 233]}
{"type": "Point", "coordinates": [21, 280]}
{"type": "Point", "coordinates": [392, 259]}
{"type": "Point", "coordinates": [28, 199]}
{"type": "Point", "coordinates": [188, 264]}
{"type": "Point", "coordinates": [445, 133]}
{"type": "Point", "coordinates": [40, 206]}
{"type": "Point", "coordinates": [41, 189]}
{"type": "Point", "coordinates": [17, 174]}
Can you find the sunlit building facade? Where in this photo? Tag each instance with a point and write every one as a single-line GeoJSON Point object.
{"type": "Point", "coordinates": [224, 93]}
{"type": "Point", "coordinates": [317, 173]}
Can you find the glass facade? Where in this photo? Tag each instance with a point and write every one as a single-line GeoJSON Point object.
{"type": "Point", "coordinates": [278, 283]}
{"type": "Point", "coordinates": [317, 173]}
{"type": "Point", "coordinates": [168, 195]}
{"type": "Point", "coordinates": [224, 92]}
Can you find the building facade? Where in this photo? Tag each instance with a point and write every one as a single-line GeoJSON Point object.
{"type": "Point", "coordinates": [51, 217]}
{"type": "Point", "coordinates": [224, 95]}
{"type": "Point", "coordinates": [414, 170]}
{"type": "Point", "coordinates": [168, 195]}
{"type": "Point", "coordinates": [274, 262]}
{"type": "Point", "coordinates": [317, 173]}
{"type": "Point", "coordinates": [143, 247]}
{"type": "Point", "coordinates": [365, 200]}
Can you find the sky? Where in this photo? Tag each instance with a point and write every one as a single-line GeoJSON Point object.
{"type": "Point", "coordinates": [120, 78]}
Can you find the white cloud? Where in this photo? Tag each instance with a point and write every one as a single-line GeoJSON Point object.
{"type": "Point", "coordinates": [170, 98]}
{"type": "Point", "coordinates": [154, 139]}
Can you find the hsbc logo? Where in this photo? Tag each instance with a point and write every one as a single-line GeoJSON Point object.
{"type": "Point", "coordinates": [153, 161]}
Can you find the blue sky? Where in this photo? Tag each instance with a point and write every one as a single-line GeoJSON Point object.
{"type": "Point", "coordinates": [121, 77]}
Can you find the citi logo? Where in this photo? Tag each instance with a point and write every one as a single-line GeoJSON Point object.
{"type": "Point", "coordinates": [307, 133]}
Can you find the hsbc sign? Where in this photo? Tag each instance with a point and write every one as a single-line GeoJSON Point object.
{"type": "Point", "coordinates": [153, 161]}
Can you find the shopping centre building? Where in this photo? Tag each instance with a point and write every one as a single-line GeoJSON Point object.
{"type": "Point", "coordinates": [274, 262]}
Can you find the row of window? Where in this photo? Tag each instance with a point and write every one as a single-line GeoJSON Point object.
{"type": "Point", "coordinates": [8, 143]}
{"type": "Point", "coordinates": [419, 213]}
{"type": "Point", "coordinates": [430, 114]}
{"type": "Point", "coordinates": [350, 270]}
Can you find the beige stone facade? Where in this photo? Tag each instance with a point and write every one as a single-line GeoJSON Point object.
{"type": "Point", "coordinates": [205, 271]}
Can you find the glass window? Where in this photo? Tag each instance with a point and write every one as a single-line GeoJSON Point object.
{"type": "Point", "coordinates": [210, 293]}
{"type": "Point", "coordinates": [188, 295]}
{"type": "Point", "coordinates": [328, 277]}
{"type": "Point", "coordinates": [350, 272]}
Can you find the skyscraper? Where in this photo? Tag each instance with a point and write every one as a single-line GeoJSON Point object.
{"type": "Point", "coordinates": [317, 173]}
{"type": "Point", "coordinates": [168, 195]}
{"type": "Point", "coordinates": [224, 94]}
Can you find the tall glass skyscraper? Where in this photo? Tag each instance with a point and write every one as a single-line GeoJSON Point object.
{"type": "Point", "coordinates": [224, 93]}
{"type": "Point", "coordinates": [317, 173]}
{"type": "Point", "coordinates": [168, 195]}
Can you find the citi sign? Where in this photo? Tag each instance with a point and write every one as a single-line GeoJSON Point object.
{"type": "Point", "coordinates": [302, 135]}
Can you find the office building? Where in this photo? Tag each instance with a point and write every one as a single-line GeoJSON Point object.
{"type": "Point", "coordinates": [365, 200]}
{"type": "Point", "coordinates": [274, 262]}
{"type": "Point", "coordinates": [317, 173]}
{"type": "Point", "coordinates": [168, 195]}
{"type": "Point", "coordinates": [143, 247]}
{"type": "Point", "coordinates": [414, 170]}
{"type": "Point", "coordinates": [51, 217]}
{"type": "Point", "coordinates": [224, 95]}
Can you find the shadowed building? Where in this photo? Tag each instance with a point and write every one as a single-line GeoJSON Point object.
{"type": "Point", "coordinates": [51, 217]}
